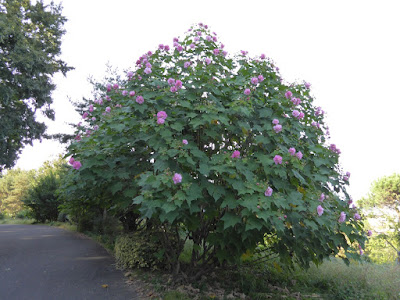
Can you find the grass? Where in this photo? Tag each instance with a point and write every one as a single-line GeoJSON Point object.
{"type": "Point", "coordinates": [15, 221]}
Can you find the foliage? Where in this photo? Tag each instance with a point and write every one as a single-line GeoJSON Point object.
{"type": "Point", "coordinates": [30, 45]}
{"type": "Point", "coordinates": [218, 150]}
{"type": "Point", "coordinates": [379, 250]}
{"type": "Point", "coordinates": [140, 249]}
{"type": "Point", "coordinates": [41, 197]}
{"type": "Point", "coordinates": [13, 187]}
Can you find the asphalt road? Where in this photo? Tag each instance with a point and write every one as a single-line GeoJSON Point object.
{"type": "Point", "coordinates": [45, 263]}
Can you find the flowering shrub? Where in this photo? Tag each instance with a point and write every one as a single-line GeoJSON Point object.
{"type": "Point", "coordinates": [221, 151]}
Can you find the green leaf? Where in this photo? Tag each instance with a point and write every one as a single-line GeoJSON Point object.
{"type": "Point", "coordinates": [230, 220]}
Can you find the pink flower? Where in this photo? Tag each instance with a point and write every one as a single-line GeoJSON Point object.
{"type": "Point", "coordinates": [147, 71]}
{"type": "Point", "coordinates": [278, 128]}
{"type": "Point", "coordinates": [108, 109]}
{"type": "Point", "coordinates": [262, 56]}
{"type": "Point", "coordinates": [208, 38]}
{"type": "Point", "coordinates": [85, 115]}
{"type": "Point", "coordinates": [130, 74]}
{"type": "Point", "coordinates": [315, 124]}
{"type": "Point", "coordinates": [278, 159]}
{"type": "Point", "coordinates": [342, 217]}
{"type": "Point", "coordinates": [307, 85]}
{"type": "Point", "coordinates": [132, 93]}
{"type": "Point", "coordinates": [160, 121]}
{"type": "Point", "coordinates": [292, 151]}
{"type": "Point", "coordinates": [161, 46]}
{"type": "Point", "coordinates": [260, 78]}
{"type": "Point", "coordinates": [71, 160]}
{"type": "Point", "coordinates": [216, 51]}
{"type": "Point", "coordinates": [162, 114]}
{"type": "Point", "coordinates": [179, 48]}
{"type": "Point", "coordinates": [78, 138]}
{"type": "Point", "coordinates": [186, 64]}
{"type": "Point", "coordinates": [93, 119]}
{"type": "Point", "coordinates": [139, 99]}
{"type": "Point", "coordinates": [108, 87]}
{"type": "Point", "coordinates": [320, 210]}
{"type": "Point", "coordinates": [76, 165]}
{"type": "Point", "coordinates": [288, 94]}
{"type": "Point", "coordinates": [173, 89]}
{"type": "Point", "coordinates": [196, 39]}
{"type": "Point", "coordinates": [299, 155]}
{"type": "Point", "coordinates": [254, 80]}
{"type": "Point", "coordinates": [224, 53]}
{"type": "Point", "coordinates": [115, 86]}
{"type": "Point", "coordinates": [177, 178]}
{"type": "Point", "coordinates": [176, 39]}
{"type": "Point", "coordinates": [247, 92]}
{"type": "Point", "coordinates": [171, 81]}
{"type": "Point", "coordinates": [124, 93]}
{"type": "Point", "coordinates": [301, 115]}
{"type": "Point", "coordinates": [244, 53]}
{"type": "Point", "coordinates": [185, 142]}
{"type": "Point", "coordinates": [348, 174]}
{"type": "Point", "coordinates": [192, 46]}
{"type": "Point", "coordinates": [91, 107]}
{"type": "Point", "coordinates": [215, 38]}
{"type": "Point", "coordinates": [268, 192]}
{"type": "Point", "coordinates": [345, 178]}
{"type": "Point", "coordinates": [322, 197]}
{"type": "Point", "coordinates": [235, 154]}
{"type": "Point", "coordinates": [275, 121]}
{"type": "Point", "coordinates": [208, 61]}
{"type": "Point", "coordinates": [178, 84]}
{"type": "Point", "coordinates": [166, 48]}
{"type": "Point", "coordinates": [369, 233]}
{"type": "Point", "coordinates": [295, 113]}
{"type": "Point", "coordinates": [96, 127]}
{"type": "Point", "coordinates": [357, 216]}
{"type": "Point", "coordinates": [198, 33]}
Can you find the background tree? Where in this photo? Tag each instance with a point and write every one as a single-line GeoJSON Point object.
{"type": "Point", "coordinates": [30, 45]}
{"type": "Point", "coordinates": [42, 198]}
{"type": "Point", "coordinates": [13, 186]}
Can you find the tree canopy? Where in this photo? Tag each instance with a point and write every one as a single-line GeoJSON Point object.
{"type": "Point", "coordinates": [30, 46]}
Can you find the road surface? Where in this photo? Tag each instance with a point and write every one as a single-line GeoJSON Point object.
{"type": "Point", "coordinates": [46, 263]}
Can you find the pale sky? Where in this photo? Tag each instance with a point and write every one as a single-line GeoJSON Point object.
{"type": "Point", "coordinates": [348, 51]}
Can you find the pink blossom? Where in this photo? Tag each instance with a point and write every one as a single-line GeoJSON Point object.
{"type": "Point", "coordinates": [132, 93]}
{"type": "Point", "coordinates": [296, 113]}
{"type": "Point", "coordinates": [71, 160]}
{"type": "Point", "coordinates": [192, 46]}
{"type": "Point", "coordinates": [277, 128]}
{"type": "Point", "coordinates": [160, 121]}
{"type": "Point", "coordinates": [76, 165]}
{"type": "Point", "coordinates": [108, 109]}
{"type": "Point", "coordinates": [222, 46]}
{"type": "Point", "coordinates": [301, 115]}
{"type": "Point", "coordinates": [235, 154]}
{"type": "Point", "coordinates": [260, 78]}
{"type": "Point", "coordinates": [186, 64]}
{"type": "Point", "coordinates": [315, 124]}
{"type": "Point", "coordinates": [216, 51]}
{"type": "Point", "coordinates": [208, 61]}
{"type": "Point", "coordinates": [322, 197]}
{"type": "Point", "coordinates": [288, 94]}
{"type": "Point", "coordinates": [275, 121]}
{"type": "Point", "coordinates": [268, 192]}
{"type": "Point", "coordinates": [179, 48]}
{"type": "Point", "coordinates": [161, 46]}
{"type": "Point", "coordinates": [177, 178]}
{"type": "Point", "coordinates": [139, 99]}
{"type": "Point", "coordinates": [345, 178]}
{"type": "Point", "coordinates": [176, 39]}
{"type": "Point", "coordinates": [115, 86]}
{"type": "Point", "coordinates": [215, 39]}
{"type": "Point", "coordinates": [369, 233]}
{"type": "Point", "coordinates": [129, 74]}
{"type": "Point", "coordinates": [208, 38]}
{"type": "Point", "coordinates": [262, 56]}
{"type": "Point", "coordinates": [173, 89]}
{"type": "Point", "coordinates": [307, 85]}
{"type": "Point", "coordinates": [196, 39]}
{"type": "Point", "coordinates": [342, 217]}
{"type": "Point", "coordinates": [348, 174]}
{"type": "Point", "coordinates": [171, 81]}
{"type": "Point", "coordinates": [78, 138]}
{"type": "Point", "coordinates": [247, 92]}
{"type": "Point", "coordinates": [185, 142]}
{"type": "Point", "coordinates": [166, 48]}
{"type": "Point", "coordinates": [108, 87]}
{"type": "Point", "coordinates": [292, 151]}
{"type": "Point", "coordinates": [178, 84]}
{"type": "Point", "coordinates": [278, 159]}
{"type": "Point", "coordinates": [224, 53]}
{"type": "Point", "coordinates": [124, 93]}
{"type": "Point", "coordinates": [299, 155]}
{"type": "Point", "coordinates": [147, 71]}
{"type": "Point", "coordinates": [149, 53]}
{"type": "Point", "coordinates": [96, 127]}
{"type": "Point", "coordinates": [175, 44]}
{"type": "Point", "coordinates": [254, 80]}
{"type": "Point", "coordinates": [100, 101]}
{"type": "Point", "coordinates": [244, 53]}
{"type": "Point", "coordinates": [320, 210]}
{"type": "Point", "coordinates": [162, 114]}
{"type": "Point", "coordinates": [93, 119]}
{"type": "Point", "coordinates": [108, 98]}
{"type": "Point", "coordinates": [357, 216]}
{"type": "Point", "coordinates": [91, 107]}
{"type": "Point", "coordinates": [199, 33]}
